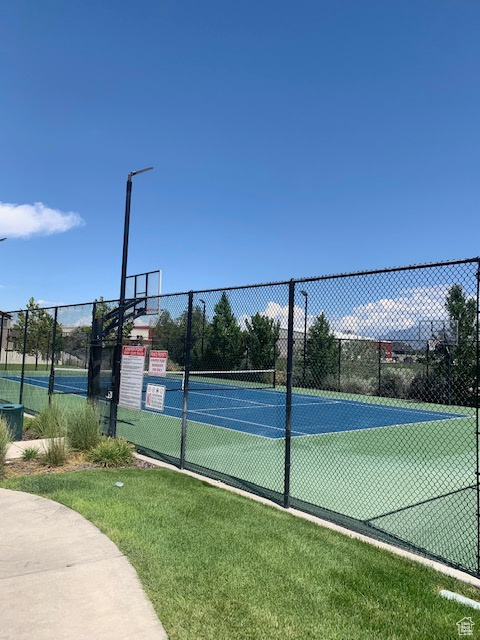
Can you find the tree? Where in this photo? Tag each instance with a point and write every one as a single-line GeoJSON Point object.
{"type": "Point", "coordinates": [225, 346]}
{"type": "Point", "coordinates": [261, 336]}
{"type": "Point", "coordinates": [321, 352]}
{"type": "Point", "coordinates": [169, 335]}
{"type": "Point", "coordinates": [39, 336]}
{"type": "Point", "coordinates": [459, 361]}
{"type": "Point", "coordinates": [453, 361]}
{"type": "Point", "coordinates": [77, 342]}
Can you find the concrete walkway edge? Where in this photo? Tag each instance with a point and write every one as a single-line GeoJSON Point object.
{"type": "Point", "coordinates": [60, 577]}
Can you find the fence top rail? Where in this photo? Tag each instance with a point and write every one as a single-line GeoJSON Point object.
{"type": "Point", "coordinates": [352, 274]}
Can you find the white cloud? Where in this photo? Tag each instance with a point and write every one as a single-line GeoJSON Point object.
{"type": "Point", "coordinates": [278, 313]}
{"type": "Point", "coordinates": [49, 303]}
{"type": "Point", "coordinates": [404, 312]}
{"type": "Point", "coordinates": [375, 319]}
{"type": "Point", "coordinates": [27, 220]}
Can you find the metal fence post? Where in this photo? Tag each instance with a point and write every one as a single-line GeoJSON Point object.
{"type": "Point", "coordinates": [23, 356]}
{"type": "Point", "coordinates": [288, 399]}
{"type": "Point", "coordinates": [339, 364]}
{"type": "Point", "coordinates": [477, 402]}
{"type": "Point", "coordinates": [1, 334]}
{"type": "Point", "coordinates": [188, 341]}
{"type": "Point", "coordinates": [379, 368]}
{"type": "Point", "coordinates": [51, 380]}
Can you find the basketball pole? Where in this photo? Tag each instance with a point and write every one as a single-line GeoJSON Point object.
{"type": "Point", "coordinates": [121, 306]}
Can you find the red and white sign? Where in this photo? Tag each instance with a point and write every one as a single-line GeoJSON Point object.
{"type": "Point", "coordinates": [131, 377]}
{"type": "Point", "coordinates": [157, 363]}
{"type": "Point", "coordinates": [155, 398]}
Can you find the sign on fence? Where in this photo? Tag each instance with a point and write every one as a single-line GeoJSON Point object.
{"type": "Point", "coordinates": [131, 377]}
{"type": "Point", "coordinates": [155, 398]}
{"type": "Point", "coordinates": [157, 363]}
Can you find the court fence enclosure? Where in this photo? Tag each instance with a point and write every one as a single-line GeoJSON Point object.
{"type": "Point", "coordinates": [353, 397]}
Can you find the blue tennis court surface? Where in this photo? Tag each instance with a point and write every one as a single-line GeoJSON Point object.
{"type": "Point", "coordinates": [261, 412]}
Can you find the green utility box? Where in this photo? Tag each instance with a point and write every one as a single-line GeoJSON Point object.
{"type": "Point", "coordinates": [13, 414]}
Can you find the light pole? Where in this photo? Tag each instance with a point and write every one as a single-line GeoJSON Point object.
{"type": "Point", "coordinates": [203, 324]}
{"type": "Point", "coordinates": [305, 294]}
{"type": "Point", "coordinates": [121, 304]}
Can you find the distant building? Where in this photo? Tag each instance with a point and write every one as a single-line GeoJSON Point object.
{"type": "Point", "coordinates": [143, 334]}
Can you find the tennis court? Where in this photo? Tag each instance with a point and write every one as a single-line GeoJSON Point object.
{"type": "Point", "coordinates": [256, 410]}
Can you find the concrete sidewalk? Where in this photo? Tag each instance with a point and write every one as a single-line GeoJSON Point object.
{"type": "Point", "coordinates": [16, 449]}
{"type": "Point", "coordinates": [60, 577]}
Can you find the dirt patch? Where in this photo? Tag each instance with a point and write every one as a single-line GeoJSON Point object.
{"type": "Point", "coordinates": [75, 462]}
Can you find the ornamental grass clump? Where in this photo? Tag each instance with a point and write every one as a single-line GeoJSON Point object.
{"type": "Point", "coordinates": [112, 452]}
{"type": "Point", "coordinates": [54, 427]}
{"type": "Point", "coordinates": [5, 440]}
{"type": "Point", "coordinates": [83, 430]}
{"type": "Point", "coordinates": [30, 453]}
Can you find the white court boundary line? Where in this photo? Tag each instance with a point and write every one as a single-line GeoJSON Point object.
{"type": "Point", "coordinates": [387, 426]}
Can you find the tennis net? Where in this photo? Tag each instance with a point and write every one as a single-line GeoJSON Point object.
{"type": "Point", "coordinates": [228, 380]}
{"type": "Point", "coordinates": [71, 380]}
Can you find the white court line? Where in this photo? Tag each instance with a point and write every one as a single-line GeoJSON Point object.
{"type": "Point", "coordinates": [263, 406]}
{"type": "Point", "coordinates": [57, 387]}
{"type": "Point", "coordinates": [213, 395]}
{"type": "Point", "coordinates": [256, 424]}
{"type": "Point", "coordinates": [387, 426]}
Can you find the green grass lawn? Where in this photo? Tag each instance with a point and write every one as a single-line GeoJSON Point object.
{"type": "Point", "coordinates": [216, 565]}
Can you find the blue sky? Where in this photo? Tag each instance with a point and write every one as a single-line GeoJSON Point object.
{"type": "Point", "coordinates": [288, 140]}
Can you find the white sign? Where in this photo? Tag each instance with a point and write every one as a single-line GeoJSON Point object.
{"type": "Point", "coordinates": [131, 377]}
{"type": "Point", "coordinates": [157, 363]}
{"type": "Point", "coordinates": [155, 397]}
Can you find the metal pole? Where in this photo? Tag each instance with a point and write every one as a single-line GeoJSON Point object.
{"type": "Point", "coordinates": [477, 402]}
{"type": "Point", "coordinates": [1, 334]}
{"type": "Point", "coordinates": [23, 356]}
{"type": "Point", "coordinates": [188, 342]}
{"type": "Point", "coordinates": [203, 324]}
{"type": "Point", "coordinates": [112, 429]}
{"type": "Point", "coordinates": [305, 294]}
{"type": "Point", "coordinates": [288, 399]}
{"type": "Point", "coordinates": [379, 367]}
{"type": "Point", "coordinates": [51, 381]}
{"type": "Point", "coordinates": [339, 362]}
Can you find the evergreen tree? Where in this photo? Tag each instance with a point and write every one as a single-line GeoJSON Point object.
{"type": "Point", "coordinates": [321, 352]}
{"type": "Point", "coordinates": [458, 361]}
{"type": "Point", "coordinates": [170, 335]}
{"type": "Point", "coordinates": [261, 336]}
{"type": "Point", "coordinates": [225, 346]}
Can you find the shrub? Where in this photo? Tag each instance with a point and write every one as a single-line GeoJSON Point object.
{"type": "Point", "coordinates": [431, 388]}
{"type": "Point", "coordinates": [392, 385]}
{"type": "Point", "coordinates": [83, 431]}
{"type": "Point", "coordinates": [56, 452]}
{"type": "Point", "coordinates": [112, 452]}
{"type": "Point", "coordinates": [52, 422]}
{"type": "Point", "coordinates": [49, 423]}
{"type": "Point", "coordinates": [30, 453]}
{"type": "Point", "coordinates": [5, 440]}
{"type": "Point", "coordinates": [361, 386]}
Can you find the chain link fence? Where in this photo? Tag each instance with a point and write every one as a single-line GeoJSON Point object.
{"type": "Point", "coordinates": [353, 397]}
